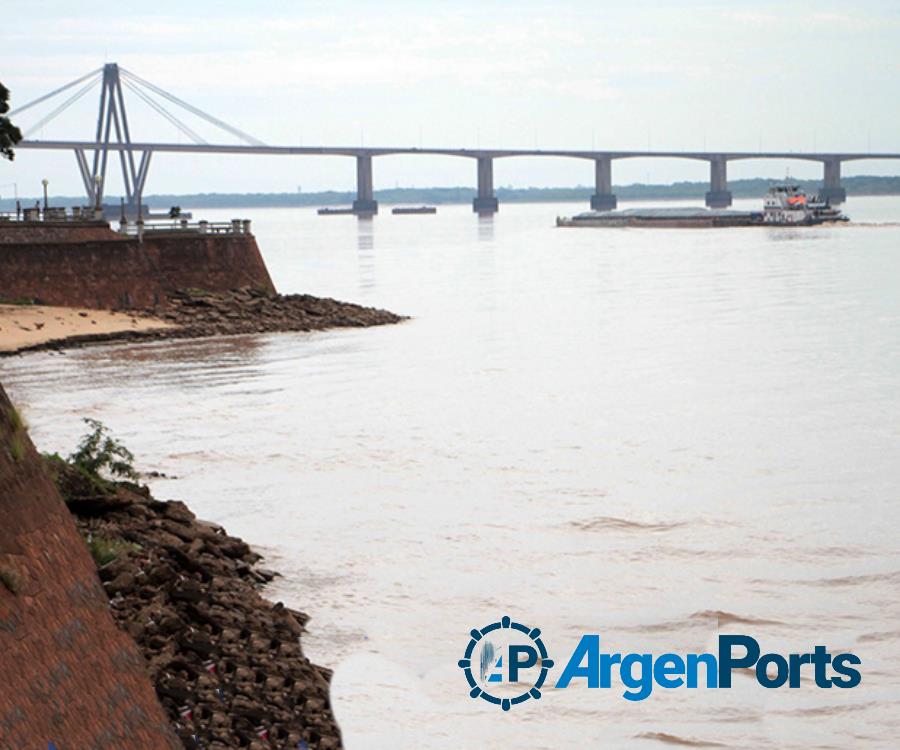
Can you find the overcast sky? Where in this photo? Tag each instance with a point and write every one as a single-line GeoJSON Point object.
{"type": "Point", "coordinates": [671, 75]}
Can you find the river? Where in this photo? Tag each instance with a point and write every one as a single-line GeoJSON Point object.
{"type": "Point", "coordinates": [657, 435]}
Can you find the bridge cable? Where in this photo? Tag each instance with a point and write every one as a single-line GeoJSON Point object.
{"type": "Point", "coordinates": [165, 113]}
{"type": "Point", "coordinates": [62, 107]}
{"type": "Point", "coordinates": [55, 92]}
{"type": "Point", "coordinates": [194, 110]}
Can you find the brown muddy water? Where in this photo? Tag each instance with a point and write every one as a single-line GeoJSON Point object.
{"type": "Point", "coordinates": [656, 435]}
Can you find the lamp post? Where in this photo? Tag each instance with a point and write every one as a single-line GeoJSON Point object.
{"type": "Point", "coordinates": [98, 192]}
{"type": "Point", "coordinates": [45, 182]}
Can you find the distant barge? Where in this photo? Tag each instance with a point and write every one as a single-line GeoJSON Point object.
{"type": "Point", "coordinates": [784, 205]}
{"type": "Point", "coordinates": [414, 210]}
{"type": "Point", "coordinates": [663, 217]}
{"type": "Point", "coordinates": [335, 211]}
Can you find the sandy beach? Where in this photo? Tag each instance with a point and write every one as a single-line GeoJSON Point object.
{"type": "Point", "coordinates": [25, 326]}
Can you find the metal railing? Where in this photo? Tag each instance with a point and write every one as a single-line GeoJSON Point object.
{"type": "Point", "coordinates": [141, 228]}
{"type": "Point", "coordinates": [50, 214]}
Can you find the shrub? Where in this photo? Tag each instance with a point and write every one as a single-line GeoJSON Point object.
{"type": "Point", "coordinates": [104, 551]}
{"type": "Point", "coordinates": [99, 453]}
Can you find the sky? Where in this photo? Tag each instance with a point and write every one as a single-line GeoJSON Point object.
{"type": "Point", "coordinates": [669, 75]}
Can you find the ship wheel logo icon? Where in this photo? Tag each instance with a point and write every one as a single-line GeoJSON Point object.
{"type": "Point", "coordinates": [505, 663]}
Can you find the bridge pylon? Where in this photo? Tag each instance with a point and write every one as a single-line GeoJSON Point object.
{"type": "Point", "coordinates": [112, 122]}
{"type": "Point", "coordinates": [113, 133]}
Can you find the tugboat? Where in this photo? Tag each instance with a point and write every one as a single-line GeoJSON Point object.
{"type": "Point", "coordinates": [788, 205]}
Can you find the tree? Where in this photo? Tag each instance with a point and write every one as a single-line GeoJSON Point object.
{"type": "Point", "coordinates": [10, 135]}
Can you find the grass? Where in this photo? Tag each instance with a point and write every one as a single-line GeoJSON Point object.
{"type": "Point", "coordinates": [17, 448]}
{"type": "Point", "coordinates": [104, 550]}
{"type": "Point", "coordinates": [16, 423]}
{"type": "Point", "coordinates": [21, 301]}
{"type": "Point", "coordinates": [17, 438]}
{"type": "Point", "coordinates": [9, 579]}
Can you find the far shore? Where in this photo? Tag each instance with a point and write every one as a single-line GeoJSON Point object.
{"type": "Point", "coordinates": [755, 187]}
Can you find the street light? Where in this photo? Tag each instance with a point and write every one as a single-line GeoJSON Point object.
{"type": "Point", "coordinates": [98, 194]}
{"type": "Point", "coordinates": [45, 182]}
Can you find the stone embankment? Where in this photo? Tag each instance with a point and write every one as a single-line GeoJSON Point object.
{"type": "Point", "coordinates": [227, 664]}
{"type": "Point", "coordinates": [201, 313]}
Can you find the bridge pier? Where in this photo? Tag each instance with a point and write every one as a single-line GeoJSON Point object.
{"type": "Point", "coordinates": [831, 188]}
{"type": "Point", "coordinates": [719, 196]}
{"type": "Point", "coordinates": [603, 198]}
{"type": "Point", "coordinates": [485, 202]}
{"type": "Point", "coordinates": [365, 203]}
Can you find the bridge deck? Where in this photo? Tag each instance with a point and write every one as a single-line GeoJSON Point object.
{"type": "Point", "coordinates": [204, 148]}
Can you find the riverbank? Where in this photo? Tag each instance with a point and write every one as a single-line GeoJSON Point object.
{"type": "Point", "coordinates": [25, 327]}
{"type": "Point", "coordinates": [226, 664]}
{"type": "Point", "coordinates": [185, 314]}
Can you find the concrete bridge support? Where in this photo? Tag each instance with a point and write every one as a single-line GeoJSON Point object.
{"type": "Point", "coordinates": [719, 196]}
{"type": "Point", "coordinates": [831, 189]}
{"type": "Point", "coordinates": [485, 202]}
{"type": "Point", "coordinates": [365, 203]}
{"type": "Point", "coordinates": [603, 198]}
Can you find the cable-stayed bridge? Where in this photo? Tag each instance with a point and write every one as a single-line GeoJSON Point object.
{"type": "Point", "coordinates": [112, 139]}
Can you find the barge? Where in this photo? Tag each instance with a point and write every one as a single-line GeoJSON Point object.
{"type": "Point", "coordinates": [335, 211]}
{"type": "Point", "coordinates": [414, 210]}
{"type": "Point", "coordinates": [783, 205]}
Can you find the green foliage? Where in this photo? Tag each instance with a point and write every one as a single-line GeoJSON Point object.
{"type": "Point", "coordinates": [17, 300]}
{"type": "Point", "coordinates": [17, 437]}
{"type": "Point", "coordinates": [10, 135]}
{"type": "Point", "coordinates": [17, 448]}
{"type": "Point", "coordinates": [74, 483]}
{"type": "Point", "coordinates": [104, 550]}
{"type": "Point", "coordinates": [16, 423]}
{"type": "Point", "coordinates": [99, 453]}
{"type": "Point", "coordinates": [9, 579]}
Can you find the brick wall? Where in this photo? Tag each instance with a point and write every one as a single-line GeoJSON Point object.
{"type": "Point", "coordinates": [67, 674]}
{"type": "Point", "coordinates": [101, 269]}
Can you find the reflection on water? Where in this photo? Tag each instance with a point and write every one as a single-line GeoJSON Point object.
{"type": "Point", "coordinates": [366, 245]}
{"type": "Point", "coordinates": [656, 435]}
{"type": "Point", "coordinates": [365, 226]}
{"type": "Point", "coordinates": [485, 227]}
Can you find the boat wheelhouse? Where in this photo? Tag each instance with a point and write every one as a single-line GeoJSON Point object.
{"type": "Point", "coordinates": [786, 205]}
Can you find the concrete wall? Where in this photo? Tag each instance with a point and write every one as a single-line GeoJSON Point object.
{"type": "Point", "coordinates": [95, 267]}
{"type": "Point", "coordinates": [69, 675]}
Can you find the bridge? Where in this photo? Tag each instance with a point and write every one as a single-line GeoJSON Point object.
{"type": "Point", "coordinates": [113, 137]}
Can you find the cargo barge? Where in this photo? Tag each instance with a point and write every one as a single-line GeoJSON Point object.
{"type": "Point", "coordinates": [335, 211]}
{"type": "Point", "coordinates": [401, 210]}
{"type": "Point", "coordinates": [783, 205]}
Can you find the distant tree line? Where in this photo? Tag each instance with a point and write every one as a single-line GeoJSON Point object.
{"type": "Point", "coordinates": [749, 188]}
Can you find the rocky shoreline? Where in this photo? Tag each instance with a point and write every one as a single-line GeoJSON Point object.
{"type": "Point", "coordinates": [196, 313]}
{"type": "Point", "coordinates": [227, 665]}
